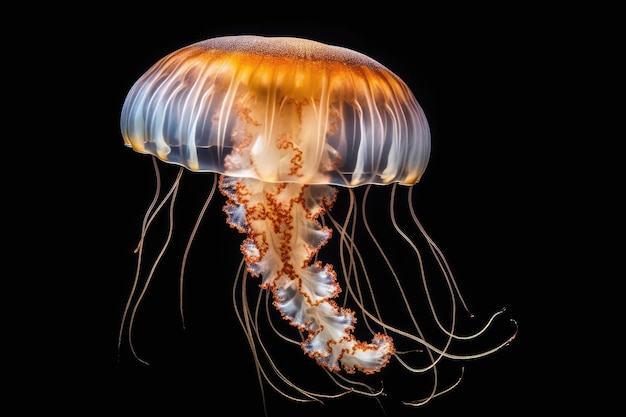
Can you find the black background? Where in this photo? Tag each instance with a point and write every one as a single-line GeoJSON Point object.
{"type": "Point", "coordinates": [480, 76]}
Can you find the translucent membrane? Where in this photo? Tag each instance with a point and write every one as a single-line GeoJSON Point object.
{"type": "Point", "coordinates": [278, 110]}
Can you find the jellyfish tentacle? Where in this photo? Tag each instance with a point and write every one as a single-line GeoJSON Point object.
{"type": "Point", "coordinates": [183, 264]}
{"type": "Point", "coordinates": [283, 237]}
{"type": "Point", "coordinates": [134, 301]}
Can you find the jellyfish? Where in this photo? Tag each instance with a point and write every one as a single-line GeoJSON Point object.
{"type": "Point", "coordinates": [284, 124]}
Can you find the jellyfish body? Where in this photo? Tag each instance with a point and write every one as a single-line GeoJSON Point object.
{"type": "Point", "coordinates": [284, 122]}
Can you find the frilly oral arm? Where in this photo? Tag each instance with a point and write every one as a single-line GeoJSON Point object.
{"type": "Point", "coordinates": [284, 235]}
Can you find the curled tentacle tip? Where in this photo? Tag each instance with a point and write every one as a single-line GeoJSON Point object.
{"type": "Point", "coordinates": [141, 360]}
{"type": "Point", "coordinates": [139, 244]}
{"type": "Point", "coordinates": [414, 403]}
{"type": "Point", "coordinates": [514, 335]}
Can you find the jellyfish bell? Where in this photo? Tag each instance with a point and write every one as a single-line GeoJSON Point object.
{"type": "Point", "coordinates": [278, 110]}
{"type": "Point", "coordinates": [285, 123]}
